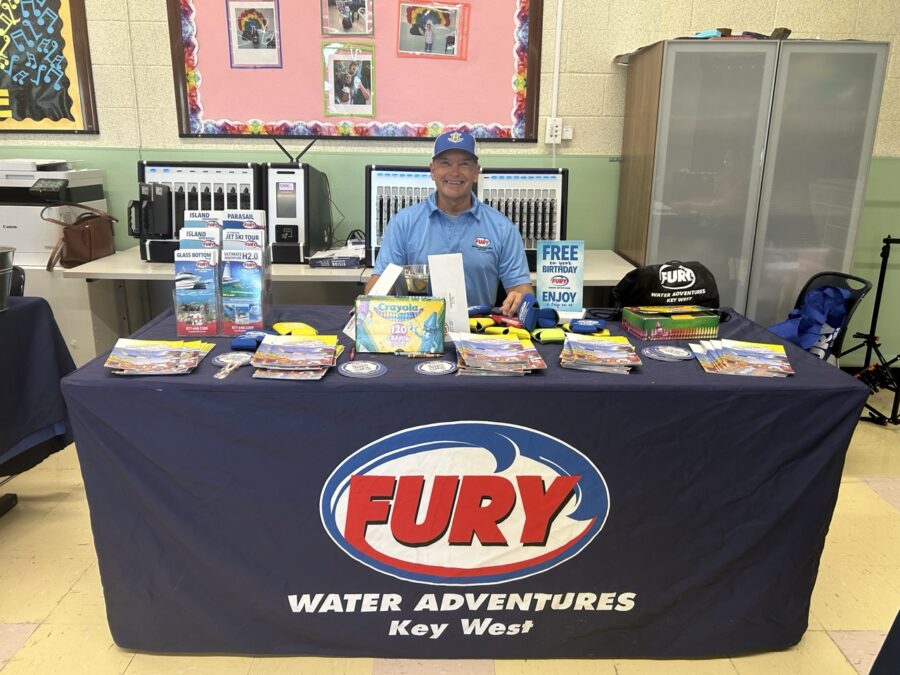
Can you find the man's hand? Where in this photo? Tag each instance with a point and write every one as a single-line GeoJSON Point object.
{"type": "Point", "coordinates": [513, 299]}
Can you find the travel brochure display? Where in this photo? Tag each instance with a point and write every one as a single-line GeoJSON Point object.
{"type": "Point", "coordinates": [495, 355]}
{"type": "Point", "coordinates": [156, 357]}
{"type": "Point", "coordinates": [733, 357]}
{"type": "Point", "coordinates": [295, 357]}
{"type": "Point", "coordinates": [222, 273]}
{"type": "Point", "coordinates": [560, 275]}
{"type": "Point", "coordinates": [682, 322]}
{"type": "Point", "coordinates": [599, 353]}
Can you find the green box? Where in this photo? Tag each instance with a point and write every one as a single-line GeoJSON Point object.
{"type": "Point", "coordinates": [684, 322]}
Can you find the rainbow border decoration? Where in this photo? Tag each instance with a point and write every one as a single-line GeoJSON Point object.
{"type": "Point", "coordinates": [346, 129]}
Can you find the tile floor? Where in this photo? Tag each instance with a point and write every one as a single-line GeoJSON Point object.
{"type": "Point", "coordinates": [52, 617]}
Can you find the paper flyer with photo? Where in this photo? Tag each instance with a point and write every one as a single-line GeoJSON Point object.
{"type": "Point", "coordinates": [560, 275]}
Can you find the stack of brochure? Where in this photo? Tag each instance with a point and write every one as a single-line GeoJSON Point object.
{"type": "Point", "coordinates": [732, 357]}
{"type": "Point", "coordinates": [156, 357]}
{"type": "Point", "coordinates": [295, 357]}
{"type": "Point", "coordinates": [480, 354]}
{"type": "Point", "coordinates": [599, 353]}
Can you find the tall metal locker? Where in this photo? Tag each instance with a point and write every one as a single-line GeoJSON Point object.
{"type": "Point", "coordinates": [750, 156]}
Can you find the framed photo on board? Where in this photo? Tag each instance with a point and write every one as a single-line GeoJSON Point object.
{"type": "Point", "coordinates": [433, 30]}
{"type": "Point", "coordinates": [253, 37]}
{"type": "Point", "coordinates": [45, 68]}
{"type": "Point", "coordinates": [251, 68]}
{"type": "Point", "coordinates": [348, 17]}
{"type": "Point", "coordinates": [349, 78]}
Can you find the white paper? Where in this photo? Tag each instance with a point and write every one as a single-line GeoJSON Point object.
{"type": "Point", "coordinates": [386, 281]}
{"type": "Point", "coordinates": [448, 281]}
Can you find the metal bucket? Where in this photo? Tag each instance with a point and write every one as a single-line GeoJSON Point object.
{"type": "Point", "coordinates": [6, 270]}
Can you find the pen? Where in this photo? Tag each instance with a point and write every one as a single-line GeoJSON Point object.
{"type": "Point", "coordinates": [352, 352]}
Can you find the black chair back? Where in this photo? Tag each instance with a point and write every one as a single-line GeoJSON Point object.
{"type": "Point", "coordinates": [17, 284]}
{"type": "Point", "coordinates": [858, 288]}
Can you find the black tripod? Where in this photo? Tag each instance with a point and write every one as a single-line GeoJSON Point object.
{"type": "Point", "coordinates": [878, 375]}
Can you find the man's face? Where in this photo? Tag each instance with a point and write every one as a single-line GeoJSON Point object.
{"type": "Point", "coordinates": [353, 68]}
{"type": "Point", "coordinates": [454, 173]}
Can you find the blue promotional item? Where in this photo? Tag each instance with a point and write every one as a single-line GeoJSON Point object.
{"type": "Point", "coordinates": [822, 307]}
{"type": "Point", "coordinates": [528, 312]}
{"type": "Point", "coordinates": [587, 325]}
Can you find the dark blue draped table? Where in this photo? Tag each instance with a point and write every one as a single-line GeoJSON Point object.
{"type": "Point", "coordinates": [218, 518]}
{"type": "Point", "coordinates": [33, 359]}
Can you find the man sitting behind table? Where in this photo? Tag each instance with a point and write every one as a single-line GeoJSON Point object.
{"type": "Point", "coordinates": [452, 220]}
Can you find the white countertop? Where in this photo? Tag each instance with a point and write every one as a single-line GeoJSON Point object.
{"type": "Point", "coordinates": [602, 268]}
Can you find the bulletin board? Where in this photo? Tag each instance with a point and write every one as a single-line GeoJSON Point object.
{"type": "Point", "coordinates": [45, 68]}
{"type": "Point", "coordinates": [356, 69]}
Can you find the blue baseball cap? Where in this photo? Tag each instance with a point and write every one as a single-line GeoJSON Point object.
{"type": "Point", "coordinates": [455, 140]}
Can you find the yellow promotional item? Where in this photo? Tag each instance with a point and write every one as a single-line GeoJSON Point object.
{"type": "Point", "coordinates": [508, 330]}
{"type": "Point", "coordinates": [549, 335]}
{"type": "Point", "coordinates": [294, 328]}
{"type": "Point", "coordinates": [480, 323]}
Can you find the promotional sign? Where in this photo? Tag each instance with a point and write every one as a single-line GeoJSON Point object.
{"type": "Point", "coordinates": [560, 275]}
{"type": "Point", "coordinates": [464, 503]}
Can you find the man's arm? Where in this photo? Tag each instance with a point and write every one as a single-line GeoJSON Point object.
{"type": "Point", "coordinates": [514, 297]}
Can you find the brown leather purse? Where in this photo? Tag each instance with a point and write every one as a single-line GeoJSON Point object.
{"type": "Point", "coordinates": [88, 238]}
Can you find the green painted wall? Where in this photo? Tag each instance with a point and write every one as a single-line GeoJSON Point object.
{"type": "Point", "coordinates": [593, 187]}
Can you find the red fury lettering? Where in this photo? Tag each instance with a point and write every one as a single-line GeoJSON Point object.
{"type": "Point", "coordinates": [470, 506]}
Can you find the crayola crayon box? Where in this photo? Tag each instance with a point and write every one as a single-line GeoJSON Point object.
{"type": "Point", "coordinates": [684, 322]}
{"type": "Point", "coordinates": [386, 324]}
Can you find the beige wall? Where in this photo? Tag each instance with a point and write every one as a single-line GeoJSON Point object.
{"type": "Point", "coordinates": [136, 105]}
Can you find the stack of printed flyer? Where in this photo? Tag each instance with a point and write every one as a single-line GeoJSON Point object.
{"type": "Point", "coordinates": [732, 357]}
{"type": "Point", "coordinates": [599, 353]}
{"type": "Point", "coordinates": [295, 357]}
{"type": "Point", "coordinates": [156, 357]}
{"type": "Point", "coordinates": [495, 355]}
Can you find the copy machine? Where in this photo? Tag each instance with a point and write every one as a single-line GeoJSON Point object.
{"type": "Point", "coordinates": [26, 187]}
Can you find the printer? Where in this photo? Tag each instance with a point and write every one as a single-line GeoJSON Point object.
{"type": "Point", "coordinates": [26, 187]}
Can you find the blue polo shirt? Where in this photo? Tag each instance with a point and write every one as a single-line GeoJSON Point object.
{"type": "Point", "coordinates": [491, 247]}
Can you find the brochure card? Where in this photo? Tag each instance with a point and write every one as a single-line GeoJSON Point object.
{"type": "Point", "coordinates": [196, 301]}
{"type": "Point", "coordinates": [560, 275]}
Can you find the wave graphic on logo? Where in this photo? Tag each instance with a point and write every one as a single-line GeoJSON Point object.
{"type": "Point", "coordinates": [464, 503]}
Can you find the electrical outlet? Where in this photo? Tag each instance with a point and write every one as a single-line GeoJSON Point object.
{"type": "Point", "coordinates": [554, 130]}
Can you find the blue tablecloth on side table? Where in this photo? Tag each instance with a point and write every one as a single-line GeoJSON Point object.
{"type": "Point", "coordinates": [666, 514]}
{"type": "Point", "coordinates": [33, 359]}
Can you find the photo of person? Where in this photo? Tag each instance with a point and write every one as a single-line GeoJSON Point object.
{"type": "Point", "coordinates": [431, 30]}
{"type": "Point", "coordinates": [253, 35]}
{"type": "Point", "coordinates": [349, 84]}
{"type": "Point", "coordinates": [348, 17]}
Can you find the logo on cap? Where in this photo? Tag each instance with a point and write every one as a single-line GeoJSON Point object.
{"type": "Point", "coordinates": [455, 137]}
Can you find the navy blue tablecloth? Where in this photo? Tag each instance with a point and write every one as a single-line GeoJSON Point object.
{"type": "Point", "coordinates": [222, 519]}
{"type": "Point", "coordinates": [33, 359]}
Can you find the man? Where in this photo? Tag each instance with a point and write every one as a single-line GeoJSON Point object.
{"type": "Point", "coordinates": [359, 88]}
{"type": "Point", "coordinates": [452, 220]}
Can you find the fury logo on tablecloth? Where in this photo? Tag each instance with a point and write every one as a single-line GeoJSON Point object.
{"type": "Point", "coordinates": [464, 503]}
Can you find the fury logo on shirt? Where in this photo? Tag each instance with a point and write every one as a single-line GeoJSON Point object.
{"type": "Point", "coordinates": [482, 242]}
{"type": "Point", "coordinates": [464, 503]}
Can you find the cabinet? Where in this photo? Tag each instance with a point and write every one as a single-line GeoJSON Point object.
{"type": "Point", "coordinates": [751, 157]}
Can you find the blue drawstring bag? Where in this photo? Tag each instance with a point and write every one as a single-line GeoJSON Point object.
{"type": "Point", "coordinates": [817, 322]}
